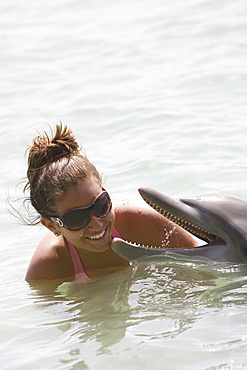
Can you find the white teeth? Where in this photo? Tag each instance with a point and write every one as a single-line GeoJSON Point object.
{"type": "Point", "coordinates": [97, 236]}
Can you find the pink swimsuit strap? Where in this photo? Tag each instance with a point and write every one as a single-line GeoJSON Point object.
{"type": "Point", "coordinates": [115, 233]}
{"type": "Point", "coordinates": [80, 275]}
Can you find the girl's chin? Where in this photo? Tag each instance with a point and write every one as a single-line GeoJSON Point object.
{"type": "Point", "coordinates": [101, 243]}
{"type": "Point", "coordinates": [98, 247]}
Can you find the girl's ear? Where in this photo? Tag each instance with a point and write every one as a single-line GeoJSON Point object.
{"type": "Point", "coordinates": [50, 225]}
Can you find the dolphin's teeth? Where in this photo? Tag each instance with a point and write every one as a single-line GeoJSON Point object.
{"type": "Point", "coordinates": [141, 245]}
{"type": "Point", "coordinates": [193, 229]}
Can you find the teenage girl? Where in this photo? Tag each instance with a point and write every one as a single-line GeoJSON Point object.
{"type": "Point", "coordinates": [67, 192]}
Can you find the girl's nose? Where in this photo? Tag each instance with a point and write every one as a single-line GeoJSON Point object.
{"type": "Point", "coordinates": [95, 222]}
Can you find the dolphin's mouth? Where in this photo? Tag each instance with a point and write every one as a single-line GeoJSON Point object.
{"type": "Point", "coordinates": [210, 218]}
{"type": "Point", "coordinates": [192, 228]}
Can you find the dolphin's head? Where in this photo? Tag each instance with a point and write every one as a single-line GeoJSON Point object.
{"type": "Point", "coordinates": [209, 217]}
{"type": "Point", "coordinates": [217, 220]}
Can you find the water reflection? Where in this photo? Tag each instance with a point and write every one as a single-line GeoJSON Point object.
{"type": "Point", "coordinates": [149, 302]}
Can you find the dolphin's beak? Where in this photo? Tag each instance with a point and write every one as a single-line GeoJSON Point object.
{"type": "Point", "coordinates": [176, 210]}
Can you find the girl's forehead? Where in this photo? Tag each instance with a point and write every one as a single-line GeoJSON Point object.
{"type": "Point", "coordinates": [80, 195]}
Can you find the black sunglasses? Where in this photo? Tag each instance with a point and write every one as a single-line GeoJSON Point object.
{"type": "Point", "coordinates": [78, 218]}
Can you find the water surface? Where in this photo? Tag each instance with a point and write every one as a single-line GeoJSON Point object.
{"type": "Point", "coordinates": [156, 93]}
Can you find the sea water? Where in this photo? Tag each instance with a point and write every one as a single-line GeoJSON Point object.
{"type": "Point", "coordinates": [156, 93]}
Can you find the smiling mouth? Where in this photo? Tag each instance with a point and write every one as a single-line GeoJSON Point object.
{"type": "Point", "coordinates": [95, 237]}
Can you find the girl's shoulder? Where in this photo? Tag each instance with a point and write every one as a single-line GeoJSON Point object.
{"type": "Point", "coordinates": [137, 222]}
{"type": "Point", "coordinates": [51, 260]}
{"type": "Point", "coordinates": [138, 210]}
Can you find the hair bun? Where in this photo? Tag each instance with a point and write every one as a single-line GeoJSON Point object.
{"type": "Point", "coordinates": [47, 149]}
{"type": "Point", "coordinates": [53, 151]}
{"type": "Point", "coordinates": [62, 144]}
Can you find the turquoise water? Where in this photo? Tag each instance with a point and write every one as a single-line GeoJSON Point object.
{"type": "Point", "coordinates": [156, 94]}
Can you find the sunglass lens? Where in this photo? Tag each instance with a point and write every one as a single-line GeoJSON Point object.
{"type": "Point", "coordinates": [102, 205]}
{"type": "Point", "coordinates": [77, 219]}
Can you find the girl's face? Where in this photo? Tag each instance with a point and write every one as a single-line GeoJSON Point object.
{"type": "Point", "coordinates": [96, 235]}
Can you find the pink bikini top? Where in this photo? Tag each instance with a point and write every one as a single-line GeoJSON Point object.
{"type": "Point", "coordinates": [80, 275]}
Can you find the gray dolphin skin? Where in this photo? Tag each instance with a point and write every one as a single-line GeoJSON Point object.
{"type": "Point", "coordinates": [220, 221]}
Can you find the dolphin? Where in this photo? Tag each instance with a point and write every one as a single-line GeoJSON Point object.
{"type": "Point", "coordinates": [219, 221]}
